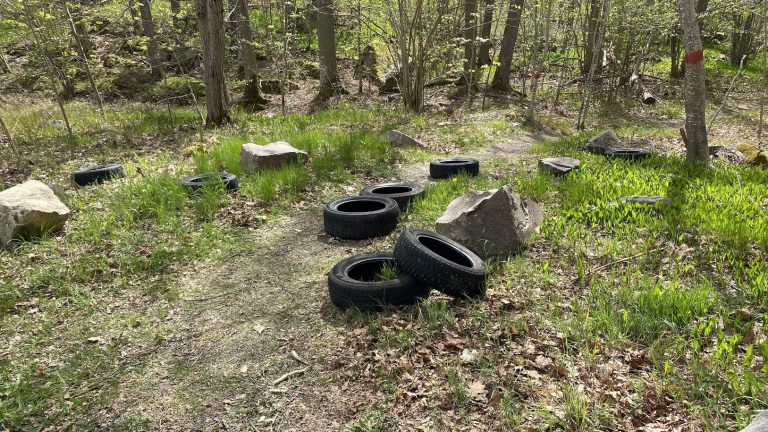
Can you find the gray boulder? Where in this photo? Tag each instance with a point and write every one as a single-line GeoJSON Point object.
{"type": "Point", "coordinates": [558, 165]}
{"type": "Point", "coordinates": [604, 142]}
{"type": "Point", "coordinates": [30, 209]}
{"type": "Point", "coordinates": [647, 200]}
{"type": "Point", "coordinates": [399, 139]}
{"type": "Point", "coordinates": [730, 154]}
{"type": "Point", "coordinates": [492, 223]}
{"type": "Point", "coordinates": [759, 423]}
{"type": "Point", "coordinates": [255, 157]}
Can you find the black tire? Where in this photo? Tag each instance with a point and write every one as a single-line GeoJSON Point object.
{"type": "Point", "coordinates": [631, 154]}
{"type": "Point", "coordinates": [97, 174]}
{"type": "Point", "coordinates": [402, 193]}
{"type": "Point", "coordinates": [196, 182]}
{"type": "Point", "coordinates": [440, 263]}
{"type": "Point", "coordinates": [352, 283]}
{"type": "Point", "coordinates": [446, 168]}
{"type": "Point", "coordinates": [358, 218]}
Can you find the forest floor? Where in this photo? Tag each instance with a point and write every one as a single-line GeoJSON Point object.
{"type": "Point", "coordinates": [157, 311]}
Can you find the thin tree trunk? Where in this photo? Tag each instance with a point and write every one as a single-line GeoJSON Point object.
{"type": "Point", "coordinates": [7, 133]}
{"type": "Point", "coordinates": [210, 15]}
{"type": "Point", "coordinates": [148, 30]}
{"type": "Point", "coordinates": [586, 98]}
{"type": "Point", "coordinates": [83, 53]}
{"type": "Point", "coordinates": [51, 73]}
{"type": "Point", "coordinates": [743, 35]}
{"type": "Point", "coordinates": [330, 84]}
{"type": "Point", "coordinates": [246, 52]}
{"type": "Point", "coordinates": [695, 135]}
{"type": "Point", "coordinates": [511, 29]}
{"type": "Point", "coordinates": [590, 41]}
{"type": "Point", "coordinates": [765, 70]}
{"type": "Point", "coordinates": [470, 34]}
{"type": "Point", "coordinates": [484, 52]}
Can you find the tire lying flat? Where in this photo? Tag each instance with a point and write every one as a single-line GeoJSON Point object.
{"type": "Point", "coordinates": [354, 283]}
{"type": "Point", "coordinates": [97, 174]}
{"type": "Point", "coordinates": [440, 263]}
{"type": "Point", "coordinates": [447, 168]}
{"type": "Point", "coordinates": [402, 193]}
{"type": "Point", "coordinates": [631, 154]}
{"type": "Point", "coordinates": [359, 218]}
{"type": "Point", "coordinates": [196, 182]}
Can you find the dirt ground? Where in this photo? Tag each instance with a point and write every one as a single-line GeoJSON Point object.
{"type": "Point", "coordinates": [247, 320]}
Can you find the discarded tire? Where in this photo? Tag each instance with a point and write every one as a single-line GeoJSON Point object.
{"type": "Point", "coordinates": [358, 218]}
{"type": "Point", "coordinates": [632, 154]}
{"type": "Point", "coordinates": [440, 263]}
{"type": "Point", "coordinates": [402, 193]}
{"type": "Point", "coordinates": [196, 182]}
{"type": "Point", "coordinates": [97, 174]}
{"type": "Point", "coordinates": [446, 168]}
{"type": "Point", "coordinates": [357, 282]}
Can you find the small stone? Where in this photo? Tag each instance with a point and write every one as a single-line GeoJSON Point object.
{"type": "Point", "coordinates": [390, 82]}
{"type": "Point", "coordinates": [606, 141]}
{"type": "Point", "coordinates": [647, 200]}
{"type": "Point", "coordinates": [271, 156]}
{"type": "Point", "coordinates": [558, 165]}
{"type": "Point", "coordinates": [30, 209]}
{"type": "Point", "coordinates": [491, 223]}
{"type": "Point", "coordinates": [399, 139]}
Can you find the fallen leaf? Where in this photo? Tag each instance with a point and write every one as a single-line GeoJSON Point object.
{"type": "Point", "coordinates": [244, 368]}
{"type": "Point", "coordinates": [259, 328]}
{"type": "Point", "coordinates": [468, 356]}
{"type": "Point", "coordinates": [476, 391]}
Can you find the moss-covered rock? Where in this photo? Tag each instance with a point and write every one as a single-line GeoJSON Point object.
{"type": "Point", "coordinates": [753, 155]}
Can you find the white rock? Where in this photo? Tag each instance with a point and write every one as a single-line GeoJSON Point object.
{"type": "Point", "coordinates": [275, 155]}
{"type": "Point", "coordinates": [491, 223]}
{"type": "Point", "coordinates": [30, 209]}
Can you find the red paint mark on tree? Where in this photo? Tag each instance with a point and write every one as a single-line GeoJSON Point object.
{"type": "Point", "coordinates": [694, 57]}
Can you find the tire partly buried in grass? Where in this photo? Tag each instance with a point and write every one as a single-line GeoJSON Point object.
{"type": "Point", "coordinates": [359, 218]}
{"type": "Point", "coordinates": [97, 174]}
{"type": "Point", "coordinates": [402, 193]}
{"type": "Point", "coordinates": [196, 182]}
{"type": "Point", "coordinates": [440, 263]}
{"type": "Point", "coordinates": [362, 282]}
{"type": "Point", "coordinates": [447, 168]}
{"type": "Point", "coordinates": [631, 154]}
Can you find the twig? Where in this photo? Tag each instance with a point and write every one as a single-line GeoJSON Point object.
{"type": "Point", "coordinates": [290, 375]}
{"type": "Point", "coordinates": [298, 358]}
{"type": "Point", "coordinates": [604, 266]}
{"type": "Point", "coordinates": [727, 93]}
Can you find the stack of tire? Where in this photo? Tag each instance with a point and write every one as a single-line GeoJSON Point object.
{"type": "Point", "coordinates": [374, 213]}
{"type": "Point", "coordinates": [422, 261]}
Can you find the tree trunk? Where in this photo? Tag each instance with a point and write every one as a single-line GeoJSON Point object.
{"type": "Point", "coordinates": [470, 34]}
{"type": "Point", "coordinates": [246, 53]}
{"type": "Point", "coordinates": [743, 35]}
{"type": "Point", "coordinates": [484, 53]}
{"type": "Point", "coordinates": [330, 84]}
{"type": "Point", "coordinates": [590, 40]}
{"type": "Point", "coordinates": [695, 135]}
{"type": "Point", "coordinates": [175, 12]}
{"type": "Point", "coordinates": [508, 41]}
{"type": "Point", "coordinates": [84, 54]}
{"type": "Point", "coordinates": [675, 70]}
{"type": "Point", "coordinates": [148, 30]}
{"type": "Point", "coordinates": [210, 16]}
